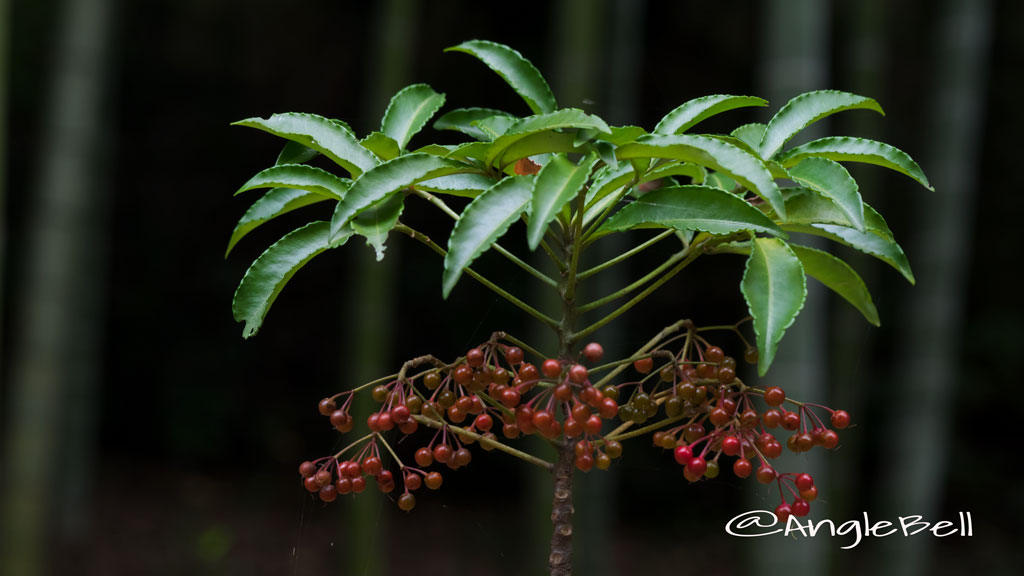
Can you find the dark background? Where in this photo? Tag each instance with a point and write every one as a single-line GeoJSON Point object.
{"type": "Point", "coordinates": [143, 435]}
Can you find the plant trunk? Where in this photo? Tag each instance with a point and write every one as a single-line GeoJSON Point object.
{"type": "Point", "coordinates": [560, 559]}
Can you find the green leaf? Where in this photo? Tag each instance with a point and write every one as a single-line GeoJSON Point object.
{"type": "Point", "coordinates": [806, 109]}
{"type": "Point", "coordinates": [695, 173]}
{"type": "Point", "coordinates": [539, 143]}
{"type": "Point", "coordinates": [329, 137]}
{"type": "Point", "coordinates": [269, 273]}
{"type": "Point", "coordinates": [300, 176]}
{"type": "Point", "coordinates": [691, 208]}
{"type": "Point", "coordinates": [483, 221]}
{"type": "Point", "coordinates": [839, 277]}
{"type": "Point", "coordinates": [606, 152]}
{"type": "Point", "coordinates": [847, 149]}
{"type": "Point", "coordinates": [375, 222]}
{"type": "Point", "coordinates": [832, 180]}
{"type": "Point", "coordinates": [463, 119]}
{"type": "Point", "coordinates": [557, 184]}
{"type": "Point", "coordinates": [885, 249]}
{"type": "Point", "coordinates": [409, 111]}
{"type": "Point", "coordinates": [295, 153]}
{"type": "Point", "coordinates": [721, 181]}
{"type": "Point", "coordinates": [622, 134]}
{"type": "Point", "coordinates": [697, 110]}
{"type": "Point", "coordinates": [738, 164]}
{"type": "Point", "coordinates": [520, 74]}
{"type": "Point", "coordinates": [775, 289]}
{"type": "Point", "coordinates": [465, 185]}
{"type": "Point", "coordinates": [565, 118]}
{"type": "Point", "coordinates": [275, 202]}
{"type": "Point", "coordinates": [382, 145]}
{"type": "Point", "coordinates": [607, 180]}
{"type": "Point", "coordinates": [750, 133]}
{"type": "Point", "coordinates": [495, 126]}
{"type": "Point", "coordinates": [388, 178]}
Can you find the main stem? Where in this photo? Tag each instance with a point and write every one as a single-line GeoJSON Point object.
{"type": "Point", "coordinates": [560, 559]}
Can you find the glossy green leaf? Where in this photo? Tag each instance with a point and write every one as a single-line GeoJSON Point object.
{"type": "Point", "coordinates": [806, 109]}
{"type": "Point", "coordinates": [520, 74]}
{"type": "Point", "coordinates": [295, 153]}
{"type": "Point", "coordinates": [275, 202]}
{"type": "Point", "coordinates": [847, 149]}
{"type": "Point", "coordinates": [775, 289]}
{"type": "Point", "coordinates": [375, 222]}
{"type": "Point", "coordinates": [329, 137]}
{"type": "Point", "coordinates": [409, 111]}
{"type": "Point", "coordinates": [839, 277]}
{"type": "Point", "coordinates": [495, 126]}
{"type": "Point", "coordinates": [695, 173]}
{"type": "Point", "coordinates": [300, 176]}
{"type": "Point", "coordinates": [557, 184]}
{"type": "Point", "coordinates": [465, 185]}
{"type": "Point", "coordinates": [697, 110]}
{"type": "Point", "coordinates": [721, 181]}
{"type": "Point", "coordinates": [751, 134]}
{"type": "Point", "coordinates": [565, 118]}
{"type": "Point", "coordinates": [388, 178]}
{"type": "Point", "coordinates": [269, 273]}
{"type": "Point", "coordinates": [606, 152]}
{"type": "Point", "coordinates": [691, 208]}
{"type": "Point", "coordinates": [607, 180]}
{"type": "Point", "coordinates": [538, 143]}
{"type": "Point", "coordinates": [832, 180]}
{"type": "Point", "coordinates": [742, 166]}
{"type": "Point", "coordinates": [622, 134]}
{"type": "Point", "coordinates": [382, 145]}
{"type": "Point", "coordinates": [462, 120]}
{"type": "Point", "coordinates": [483, 221]}
{"type": "Point", "coordinates": [877, 245]}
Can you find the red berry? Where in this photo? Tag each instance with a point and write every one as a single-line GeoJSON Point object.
{"type": "Point", "coordinates": [424, 457]}
{"type": "Point", "coordinates": [372, 422]}
{"type": "Point", "coordinates": [829, 439]}
{"type": "Point", "coordinates": [528, 373]}
{"type": "Point", "coordinates": [783, 512]}
{"type": "Point", "coordinates": [696, 466]}
{"type": "Point", "coordinates": [790, 421]}
{"type": "Point", "coordinates": [432, 380]}
{"type": "Point", "coordinates": [726, 375]}
{"type": "Point", "coordinates": [542, 419]}
{"type": "Point", "coordinates": [483, 422]}
{"type": "Point", "coordinates": [433, 480]}
{"type": "Point", "coordinates": [593, 425]}
{"type": "Point", "coordinates": [581, 412]}
{"type": "Point", "coordinates": [742, 468]}
{"type": "Point", "coordinates": [801, 507]}
{"type": "Point", "coordinates": [562, 392]}
{"type": "Point", "coordinates": [683, 454]}
{"type": "Point", "coordinates": [730, 445]}
{"type": "Point", "coordinates": [750, 355]}
{"type": "Point", "coordinates": [644, 365]}
{"type": "Point", "coordinates": [774, 396]}
{"type": "Point", "coordinates": [327, 406]}
{"type": "Point", "coordinates": [585, 462]}
{"type": "Point", "coordinates": [307, 469]}
{"type": "Point", "coordinates": [408, 427]}
{"type": "Point", "coordinates": [773, 449]}
{"type": "Point", "coordinates": [765, 474]}
{"type": "Point", "coordinates": [343, 485]}
{"type": "Point", "coordinates": [572, 427]}
{"type": "Point", "coordinates": [719, 416]}
{"type": "Point", "coordinates": [400, 414]}
{"type": "Point", "coordinates": [475, 357]}
{"type": "Point", "coordinates": [810, 494]}
{"type": "Point", "coordinates": [372, 466]}
{"type": "Point", "coordinates": [514, 355]}
{"type": "Point", "coordinates": [593, 352]}
{"type": "Point", "coordinates": [510, 398]}
{"type": "Point", "coordinates": [772, 418]}
{"type": "Point", "coordinates": [358, 485]}
{"type": "Point", "coordinates": [609, 408]}
{"type": "Point", "coordinates": [462, 457]}
{"type": "Point", "coordinates": [384, 421]}
{"type": "Point", "coordinates": [406, 502]}
{"type": "Point", "coordinates": [311, 484]}
{"type": "Point", "coordinates": [510, 431]}
{"type": "Point", "coordinates": [551, 368]}
{"type": "Point", "coordinates": [442, 453]}
{"type": "Point", "coordinates": [328, 493]}
{"type": "Point", "coordinates": [714, 354]}
{"type": "Point", "coordinates": [578, 373]}
{"type": "Point", "coordinates": [804, 482]}
{"type": "Point", "coordinates": [840, 419]}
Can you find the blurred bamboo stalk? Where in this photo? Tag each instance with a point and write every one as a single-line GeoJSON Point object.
{"type": "Point", "coordinates": [58, 327]}
{"type": "Point", "coordinates": [930, 331]}
{"type": "Point", "coordinates": [5, 74]}
{"type": "Point", "coordinates": [371, 319]}
{"type": "Point", "coordinates": [796, 59]}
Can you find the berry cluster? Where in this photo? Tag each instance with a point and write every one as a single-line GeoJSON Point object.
{"type": "Point", "coordinates": [715, 415]}
{"type": "Point", "coordinates": [702, 412]}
